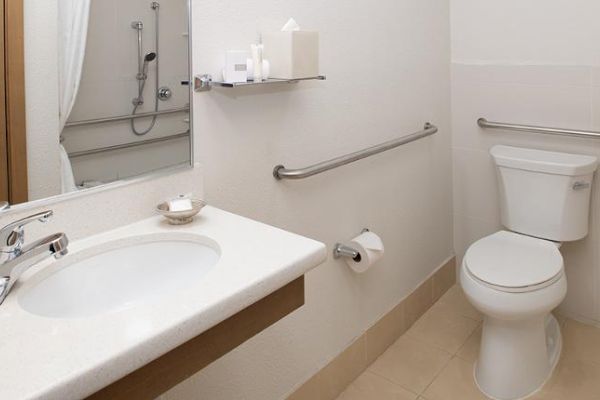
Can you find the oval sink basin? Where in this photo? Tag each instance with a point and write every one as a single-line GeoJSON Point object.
{"type": "Point", "coordinates": [110, 279]}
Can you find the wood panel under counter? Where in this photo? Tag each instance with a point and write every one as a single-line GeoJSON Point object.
{"type": "Point", "coordinates": [181, 363]}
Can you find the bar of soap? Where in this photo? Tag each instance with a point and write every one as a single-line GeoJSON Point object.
{"type": "Point", "coordinates": [180, 205]}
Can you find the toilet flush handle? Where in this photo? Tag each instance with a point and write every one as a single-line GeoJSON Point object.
{"type": "Point", "coordinates": [581, 185]}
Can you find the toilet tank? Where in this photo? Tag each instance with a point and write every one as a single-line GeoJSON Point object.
{"type": "Point", "coordinates": [545, 194]}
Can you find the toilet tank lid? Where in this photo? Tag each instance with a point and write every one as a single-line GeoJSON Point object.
{"type": "Point", "coordinates": [544, 161]}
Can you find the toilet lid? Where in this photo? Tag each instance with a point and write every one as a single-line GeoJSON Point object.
{"type": "Point", "coordinates": [510, 260]}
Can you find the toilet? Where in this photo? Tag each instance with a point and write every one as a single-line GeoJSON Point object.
{"type": "Point", "coordinates": [516, 277]}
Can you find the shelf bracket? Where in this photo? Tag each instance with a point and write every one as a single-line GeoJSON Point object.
{"type": "Point", "coordinates": [202, 83]}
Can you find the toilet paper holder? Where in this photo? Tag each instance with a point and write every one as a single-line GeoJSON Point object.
{"type": "Point", "coordinates": [341, 250]}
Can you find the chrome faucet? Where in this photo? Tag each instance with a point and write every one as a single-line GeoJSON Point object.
{"type": "Point", "coordinates": [16, 258]}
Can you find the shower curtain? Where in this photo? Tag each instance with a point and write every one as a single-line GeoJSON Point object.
{"type": "Point", "coordinates": [73, 18]}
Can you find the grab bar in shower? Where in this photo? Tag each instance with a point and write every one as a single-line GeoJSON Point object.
{"type": "Point", "coordinates": [281, 172]}
{"type": "Point", "coordinates": [484, 123]}
{"type": "Point", "coordinates": [128, 145]}
{"type": "Point", "coordinates": [126, 117]}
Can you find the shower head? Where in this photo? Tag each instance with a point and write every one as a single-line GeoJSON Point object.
{"type": "Point", "coordinates": [149, 57]}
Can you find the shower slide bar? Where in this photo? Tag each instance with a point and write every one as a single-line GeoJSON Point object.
{"type": "Point", "coordinates": [280, 172]}
{"type": "Point", "coordinates": [484, 123]}
{"type": "Point", "coordinates": [128, 145]}
{"type": "Point", "coordinates": [126, 117]}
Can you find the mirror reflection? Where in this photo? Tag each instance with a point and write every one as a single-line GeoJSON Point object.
{"type": "Point", "coordinates": [123, 97]}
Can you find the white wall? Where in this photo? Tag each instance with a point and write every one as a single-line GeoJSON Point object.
{"type": "Point", "coordinates": [546, 32]}
{"type": "Point", "coordinates": [534, 62]}
{"type": "Point", "coordinates": [41, 95]}
{"type": "Point", "coordinates": [388, 73]}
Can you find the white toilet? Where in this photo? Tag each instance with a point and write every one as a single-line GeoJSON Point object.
{"type": "Point", "coordinates": [516, 278]}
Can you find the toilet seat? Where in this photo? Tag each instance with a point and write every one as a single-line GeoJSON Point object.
{"type": "Point", "coordinates": [511, 262]}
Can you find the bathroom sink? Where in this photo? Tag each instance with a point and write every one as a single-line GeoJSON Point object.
{"type": "Point", "coordinates": [121, 275]}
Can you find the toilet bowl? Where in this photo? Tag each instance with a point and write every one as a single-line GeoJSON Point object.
{"type": "Point", "coordinates": [515, 281]}
{"type": "Point", "coordinates": [515, 278]}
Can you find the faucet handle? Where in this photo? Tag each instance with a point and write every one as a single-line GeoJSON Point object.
{"type": "Point", "coordinates": [12, 235]}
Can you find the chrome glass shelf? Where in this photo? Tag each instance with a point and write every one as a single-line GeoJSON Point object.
{"type": "Point", "coordinates": [203, 83]}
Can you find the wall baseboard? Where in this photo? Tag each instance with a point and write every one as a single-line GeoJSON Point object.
{"type": "Point", "coordinates": [332, 380]}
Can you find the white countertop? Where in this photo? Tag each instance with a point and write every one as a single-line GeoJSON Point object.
{"type": "Point", "coordinates": [73, 358]}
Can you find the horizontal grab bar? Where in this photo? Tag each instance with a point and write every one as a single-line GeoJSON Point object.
{"type": "Point", "coordinates": [128, 145]}
{"type": "Point", "coordinates": [484, 123]}
{"type": "Point", "coordinates": [126, 117]}
{"type": "Point", "coordinates": [281, 172]}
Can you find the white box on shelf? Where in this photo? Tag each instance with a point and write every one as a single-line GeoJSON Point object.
{"type": "Point", "coordinates": [235, 66]}
{"type": "Point", "coordinates": [292, 54]}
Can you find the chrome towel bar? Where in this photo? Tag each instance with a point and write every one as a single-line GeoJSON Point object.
{"type": "Point", "coordinates": [281, 172]}
{"type": "Point", "coordinates": [126, 117]}
{"type": "Point", "coordinates": [484, 123]}
{"type": "Point", "coordinates": [128, 145]}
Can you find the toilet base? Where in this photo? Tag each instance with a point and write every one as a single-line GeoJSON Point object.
{"type": "Point", "coordinates": [517, 357]}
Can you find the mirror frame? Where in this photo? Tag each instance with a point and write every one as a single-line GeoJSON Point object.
{"type": "Point", "coordinates": [19, 207]}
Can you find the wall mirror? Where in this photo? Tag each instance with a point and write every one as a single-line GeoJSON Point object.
{"type": "Point", "coordinates": [93, 92]}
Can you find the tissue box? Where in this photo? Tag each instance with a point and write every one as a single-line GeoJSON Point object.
{"type": "Point", "coordinates": [293, 54]}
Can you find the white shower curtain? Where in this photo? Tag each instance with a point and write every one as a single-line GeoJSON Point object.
{"type": "Point", "coordinates": [73, 17]}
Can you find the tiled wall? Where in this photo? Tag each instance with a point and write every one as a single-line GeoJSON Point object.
{"type": "Point", "coordinates": [404, 195]}
{"type": "Point", "coordinates": [557, 96]}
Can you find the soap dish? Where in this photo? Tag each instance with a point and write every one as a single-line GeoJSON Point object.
{"type": "Point", "coordinates": [181, 217]}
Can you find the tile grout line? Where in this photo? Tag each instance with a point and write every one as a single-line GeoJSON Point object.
{"type": "Point", "coordinates": [433, 302]}
{"type": "Point", "coordinates": [437, 375]}
{"type": "Point", "coordinates": [408, 334]}
{"type": "Point", "coordinates": [429, 344]}
{"type": "Point", "coordinates": [452, 355]}
{"type": "Point", "coordinates": [392, 382]}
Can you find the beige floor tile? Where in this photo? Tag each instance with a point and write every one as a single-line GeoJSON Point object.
{"type": "Point", "coordinates": [372, 386]}
{"type": "Point", "coordinates": [457, 300]}
{"type": "Point", "coordinates": [411, 364]}
{"type": "Point", "coordinates": [342, 371]}
{"type": "Point", "coordinates": [418, 364]}
{"type": "Point", "coordinates": [470, 350]}
{"type": "Point", "coordinates": [418, 302]}
{"type": "Point", "coordinates": [573, 379]}
{"type": "Point", "coordinates": [443, 327]}
{"type": "Point", "coordinates": [455, 383]}
{"type": "Point", "coordinates": [385, 332]}
{"type": "Point", "coordinates": [581, 341]}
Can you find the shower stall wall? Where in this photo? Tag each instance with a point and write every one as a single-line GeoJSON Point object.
{"type": "Point", "coordinates": [123, 75]}
{"type": "Point", "coordinates": [142, 73]}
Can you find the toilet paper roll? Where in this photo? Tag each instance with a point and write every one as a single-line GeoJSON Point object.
{"type": "Point", "coordinates": [371, 249]}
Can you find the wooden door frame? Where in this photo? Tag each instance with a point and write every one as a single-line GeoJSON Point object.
{"type": "Point", "coordinates": [4, 191]}
{"type": "Point", "coordinates": [15, 117]}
